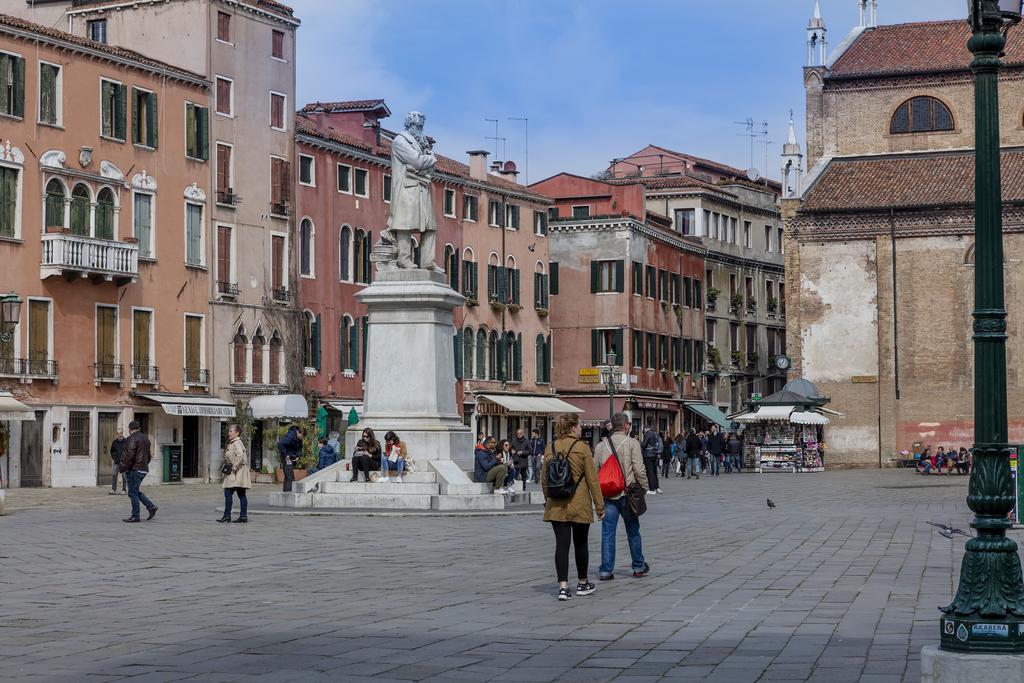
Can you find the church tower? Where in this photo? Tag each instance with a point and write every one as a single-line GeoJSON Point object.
{"type": "Point", "coordinates": [817, 42]}
{"type": "Point", "coordinates": [792, 164]}
{"type": "Point", "coordinates": [868, 13]}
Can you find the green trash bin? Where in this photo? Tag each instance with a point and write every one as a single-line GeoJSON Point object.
{"type": "Point", "coordinates": [172, 464]}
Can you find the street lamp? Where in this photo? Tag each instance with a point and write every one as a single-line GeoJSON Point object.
{"type": "Point", "coordinates": [987, 614]}
{"type": "Point", "coordinates": [610, 374]}
{"type": "Point", "coordinates": [10, 306]}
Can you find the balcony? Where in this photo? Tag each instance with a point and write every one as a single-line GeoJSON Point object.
{"type": "Point", "coordinates": [227, 289]}
{"type": "Point", "coordinates": [228, 198]}
{"type": "Point", "coordinates": [28, 369]}
{"type": "Point", "coordinates": [75, 256]}
{"type": "Point", "coordinates": [280, 209]}
{"type": "Point", "coordinates": [281, 295]}
{"type": "Point", "coordinates": [196, 377]}
{"type": "Point", "coordinates": [145, 374]}
{"type": "Point", "coordinates": [108, 373]}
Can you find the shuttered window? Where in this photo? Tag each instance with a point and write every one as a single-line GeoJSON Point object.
{"type": "Point", "coordinates": [607, 276]}
{"type": "Point", "coordinates": [224, 274]}
{"type": "Point", "coordinates": [142, 214]}
{"type": "Point", "coordinates": [224, 186]}
{"type": "Point", "coordinates": [49, 94]}
{"type": "Point", "coordinates": [54, 204]}
{"type": "Point", "coordinates": [142, 326]}
{"type": "Point", "coordinates": [193, 234]}
{"type": "Point", "coordinates": [553, 282]}
{"type": "Point", "coordinates": [80, 211]}
{"type": "Point", "coordinates": [38, 336]}
{"type": "Point", "coordinates": [197, 131]}
{"type": "Point", "coordinates": [105, 214]}
{"type": "Point", "coordinates": [257, 359]}
{"type": "Point", "coordinates": [193, 347]}
{"type": "Point", "coordinates": [9, 200]}
{"type": "Point", "coordinates": [277, 44]}
{"type": "Point", "coordinates": [277, 110]}
{"type": "Point", "coordinates": [280, 185]}
{"type": "Point", "coordinates": [224, 27]}
{"type": "Point", "coordinates": [277, 261]}
{"type": "Point", "coordinates": [106, 339]}
{"type": "Point", "coordinates": [238, 358]}
{"type": "Point", "coordinates": [470, 280]}
{"type": "Point", "coordinates": [144, 118]}
{"type": "Point", "coordinates": [113, 109]}
{"type": "Point", "coordinates": [225, 96]}
{"type": "Point", "coordinates": [275, 360]}
{"type": "Point", "coordinates": [12, 85]}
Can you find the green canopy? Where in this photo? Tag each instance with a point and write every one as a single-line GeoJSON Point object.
{"type": "Point", "coordinates": [321, 422]}
{"type": "Point", "coordinates": [353, 417]}
{"type": "Point", "coordinates": [711, 413]}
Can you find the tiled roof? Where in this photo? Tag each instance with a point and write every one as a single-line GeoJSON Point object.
{"type": "Point", "coordinates": [724, 168]}
{"type": "Point", "coordinates": [913, 48]}
{"type": "Point", "coordinates": [668, 182]}
{"type": "Point", "coordinates": [906, 181]}
{"type": "Point", "coordinates": [270, 5]}
{"type": "Point", "coordinates": [444, 164]}
{"type": "Point", "coordinates": [350, 105]}
{"type": "Point", "coordinates": [119, 52]}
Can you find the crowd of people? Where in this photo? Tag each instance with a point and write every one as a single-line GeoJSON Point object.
{"type": "Point", "coordinates": [502, 463]}
{"type": "Point", "coordinates": [951, 460]}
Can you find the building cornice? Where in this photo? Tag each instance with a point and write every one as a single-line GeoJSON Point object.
{"type": "Point", "coordinates": [130, 4]}
{"type": "Point", "coordinates": [905, 222]}
{"type": "Point", "coordinates": [570, 225]}
{"type": "Point", "coordinates": [717, 198]}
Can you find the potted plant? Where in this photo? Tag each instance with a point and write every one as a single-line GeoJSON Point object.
{"type": "Point", "coordinates": [497, 306]}
{"type": "Point", "coordinates": [737, 358]}
{"type": "Point", "coordinates": [773, 304]}
{"type": "Point", "coordinates": [751, 305]}
{"type": "Point", "coordinates": [752, 358]}
{"type": "Point", "coordinates": [471, 300]}
{"type": "Point", "coordinates": [542, 312]}
{"type": "Point", "coordinates": [736, 302]}
{"type": "Point", "coordinates": [514, 308]}
{"type": "Point", "coordinates": [712, 297]}
{"type": "Point", "coordinates": [714, 356]}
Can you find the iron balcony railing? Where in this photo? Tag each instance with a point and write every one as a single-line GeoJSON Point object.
{"type": "Point", "coordinates": [227, 288]}
{"type": "Point", "coordinates": [197, 376]}
{"type": "Point", "coordinates": [28, 367]}
{"type": "Point", "coordinates": [145, 374]}
{"type": "Point", "coordinates": [108, 372]}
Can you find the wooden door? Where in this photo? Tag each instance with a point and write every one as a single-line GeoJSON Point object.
{"type": "Point", "coordinates": [32, 451]}
{"type": "Point", "coordinates": [105, 435]}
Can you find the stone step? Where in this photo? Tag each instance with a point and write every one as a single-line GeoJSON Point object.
{"type": "Point", "coordinates": [525, 498]}
{"type": "Point", "coordinates": [468, 503]}
{"type": "Point", "coordinates": [390, 488]}
{"type": "Point", "coordinates": [373, 501]}
{"type": "Point", "coordinates": [422, 477]}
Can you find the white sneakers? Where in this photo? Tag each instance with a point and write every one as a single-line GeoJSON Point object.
{"type": "Point", "coordinates": [398, 480]}
{"type": "Point", "coordinates": [651, 493]}
{"type": "Point", "coordinates": [503, 490]}
{"type": "Point", "coordinates": [383, 480]}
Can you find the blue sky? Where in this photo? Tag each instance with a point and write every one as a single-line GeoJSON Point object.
{"type": "Point", "coordinates": [597, 79]}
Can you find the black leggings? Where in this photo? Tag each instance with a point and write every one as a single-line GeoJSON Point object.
{"type": "Point", "coordinates": [364, 464]}
{"type": "Point", "coordinates": [577, 533]}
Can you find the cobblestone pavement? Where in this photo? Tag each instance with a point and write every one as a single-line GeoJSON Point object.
{"type": "Point", "coordinates": [839, 583]}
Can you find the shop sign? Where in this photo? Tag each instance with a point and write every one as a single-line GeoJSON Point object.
{"type": "Point", "coordinates": [755, 397]}
{"type": "Point", "coordinates": [864, 379]}
{"type": "Point", "coordinates": [651, 405]}
{"type": "Point", "coordinates": [488, 408]}
{"type": "Point", "coordinates": [590, 376]}
{"type": "Point", "coordinates": [198, 410]}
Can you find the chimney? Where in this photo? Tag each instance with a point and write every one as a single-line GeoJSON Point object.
{"type": "Point", "coordinates": [495, 167]}
{"type": "Point", "coordinates": [478, 164]}
{"type": "Point", "coordinates": [508, 171]}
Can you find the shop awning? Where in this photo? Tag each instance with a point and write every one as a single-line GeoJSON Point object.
{"type": "Point", "coordinates": [532, 404]}
{"type": "Point", "coordinates": [13, 410]}
{"type": "Point", "coordinates": [771, 413]}
{"type": "Point", "coordinates": [351, 411]}
{"type": "Point", "coordinates": [192, 405]}
{"type": "Point", "coordinates": [711, 413]}
{"type": "Point", "coordinates": [808, 418]}
{"type": "Point", "coordinates": [282, 406]}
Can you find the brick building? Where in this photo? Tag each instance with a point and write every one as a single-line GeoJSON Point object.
{"type": "Point", "coordinates": [880, 240]}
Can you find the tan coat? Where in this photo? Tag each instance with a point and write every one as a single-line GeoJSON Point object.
{"type": "Point", "coordinates": [631, 459]}
{"type": "Point", "coordinates": [579, 508]}
{"type": "Point", "coordinates": [235, 454]}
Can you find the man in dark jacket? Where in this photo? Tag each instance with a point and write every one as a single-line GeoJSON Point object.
{"type": "Point", "coordinates": [734, 450]}
{"type": "Point", "coordinates": [651, 448]}
{"type": "Point", "coordinates": [693, 450]}
{"type": "Point", "coordinates": [290, 449]}
{"type": "Point", "coordinates": [716, 446]}
{"type": "Point", "coordinates": [135, 464]}
{"type": "Point", "coordinates": [116, 455]}
{"type": "Point", "coordinates": [536, 455]}
{"type": "Point", "coordinates": [520, 448]}
{"type": "Point", "coordinates": [488, 469]}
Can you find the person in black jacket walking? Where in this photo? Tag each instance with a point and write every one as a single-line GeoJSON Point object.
{"type": "Point", "coordinates": [290, 449]}
{"type": "Point", "coordinates": [651, 448]}
{"type": "Point", "coordinates": [135, 463]}
{"type": "Point", "coordinates": [693, 448]}
{"type": "Point", "coordinates": [716, 446]}
{"type": "Point", "coordinates": [734, 450]}
{"type": "Point", "coordinates": [116, 455]}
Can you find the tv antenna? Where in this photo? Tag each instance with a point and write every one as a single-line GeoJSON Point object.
{"type": "Point", "coordinates": [526, 150]}
{"type": "Point", "coordinates": [754, 130]}
{"type": "Point", "coordinates": [495, 138]}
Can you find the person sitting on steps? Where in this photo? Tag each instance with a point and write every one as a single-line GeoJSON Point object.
{"type": "Point", "coordinates": [488, 468]}
{"type": "Point", "coordinates": [393, 458]}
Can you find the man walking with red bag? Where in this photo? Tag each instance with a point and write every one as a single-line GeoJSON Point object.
{"type": "Point", "coordinates": [621, 451]}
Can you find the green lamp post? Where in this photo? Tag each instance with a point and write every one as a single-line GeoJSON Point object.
{"type": "Point", "coordinates": [987, 614]}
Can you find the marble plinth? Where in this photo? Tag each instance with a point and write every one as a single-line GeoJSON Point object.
{"type": "Point", "coordinates": [940, 666]}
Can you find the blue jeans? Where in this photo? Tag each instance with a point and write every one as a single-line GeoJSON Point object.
{"type": "Point", "coordinates": [386, 465]}
{"type": "Point", "coordinates": [609, 525]}
{"type": "Point", "coordinates": [242, 499]}
{"type": "Point", "coordinates": [693, 466]}
{"type": "Point", "coordinates": [736, 462]}
{"type": "Point", "coordinates": [135, 478]}
{"type": "Point", "coordinates": [716, 464]}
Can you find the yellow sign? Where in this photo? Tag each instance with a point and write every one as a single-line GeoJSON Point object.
{"type": "Point", "coordinates": [865, 379]}
{"type": "Point", "coordinates": [590, 376]}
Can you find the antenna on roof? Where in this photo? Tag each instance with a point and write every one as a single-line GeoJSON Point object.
{"type": "Point", "coordinates": [751, 132]}
{"type": "Point", "coordinates": [495, 138]}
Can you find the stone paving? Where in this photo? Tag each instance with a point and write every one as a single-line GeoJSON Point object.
{"type": "Point", "coordinates": [839, 583]}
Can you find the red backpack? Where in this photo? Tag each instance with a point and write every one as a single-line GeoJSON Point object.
{"type": "Point", "coordinates": [610, 476]}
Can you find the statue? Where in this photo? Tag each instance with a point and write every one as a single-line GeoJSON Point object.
{"type": "Point", "coordinates": [412, 211]}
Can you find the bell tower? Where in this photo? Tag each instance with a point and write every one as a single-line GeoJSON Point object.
{"type": "Point", "coordinates": [817, 40]}
{"type": "Point", "coordinates": [868, 13]}
{"type": "Point", "coordinates": [792, 164]}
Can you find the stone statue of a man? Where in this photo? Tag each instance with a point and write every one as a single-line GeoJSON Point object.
{"type": "Point", "coordinates": [412, 165]}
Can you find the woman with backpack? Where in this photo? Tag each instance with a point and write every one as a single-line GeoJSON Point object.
{"type": "Point", "coordinates": [571, 492]}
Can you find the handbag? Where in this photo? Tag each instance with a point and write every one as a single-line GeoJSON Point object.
{"type": "Point", "coordinates": [610, 476]}
{"type": "Point", "coordinates": [636, 500]}
{"type": "Point", "coordinates": [227, 468]}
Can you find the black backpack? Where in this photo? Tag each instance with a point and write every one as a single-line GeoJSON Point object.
{"type": "Point", "coordinates": [558, 475]}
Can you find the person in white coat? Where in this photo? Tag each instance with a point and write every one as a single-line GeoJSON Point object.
{"type": "Point", "coordinates": [237, 479]}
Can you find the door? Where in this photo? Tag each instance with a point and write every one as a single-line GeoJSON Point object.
{"type": "Point", "coordinates": [32, 451]}
{"type": "Point", "coordinates": [190, 447]}
{"type": "Point", "coordinates": [106, 433]}
{"type": "Point", "coordinates": [256, 449]}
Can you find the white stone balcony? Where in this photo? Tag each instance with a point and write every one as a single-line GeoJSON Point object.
{"type": "Point", "coordinates": [74, 256]}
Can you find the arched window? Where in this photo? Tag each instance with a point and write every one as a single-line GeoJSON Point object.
{"type": "Point", "coordinates": [451, 268]}
{"type": "Point", "coordinates": [55, 203]}
{"type": "Point", "coordinates": [361, 256]}
{"type": "Point", "coordinates": [469, 276]}
{"type": "Point", "coordinates": [105, 214]}
{"type": "Point", "coordinates": [481, 354]}
{"type": "Point", "coordinates": [346, 337]}
{"type": "Point", "coordinates": [493, 356]}
{"type": "Point", "coordinates": [511, 282]}
{"type": "Point", "coordinates": [921, 115]}
{"type": "Point", "coordinates": [258, 342]}
{"type": "Point", "coordinates": [542, 360]}
{"type": "Point", "coordinates": [310, 340]}
{"type": "Point", "coordinates": [306, 247]}
{"type": "Point", "coordinates": [238, 357]}
{"type": "Point", "coordinates": [275, 359]}
{"type": "Point", "coordinates": [513, 357]}
{"type": "Point", "coordinates": [80, 210]}
{"type": "Point", "coordinates": [468, 341]}
{"type": "Point", "coordinates": [345, 254]}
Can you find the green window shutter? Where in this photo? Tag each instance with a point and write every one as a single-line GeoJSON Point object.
{"type": "Point", "coordinates": [120, 111]}
{"type": "Point", "coordinates": [353, 348]}
{"type": "Point", "coordinates": [618, 346]}
{"type": "Point", "coordinates": [595, 276]}
{"type": "Point", "coordinates": [152, 115]}
{"type": "Point", "coordinates": [454, 268]}
{"type": "Point", "coordinates": [547, 359]}
{"type": "Point", "coordinates": [620, 276]}
{"type": "Point", "coordinates": [316, 342]}
{"type": "Point", "coordinates": [595, 347]}
{"type": "Point", "coordinates": [502, 358]}
{"type": "Point", "coordinates": [47, 93]}
{"type": "Point", "coordinates": [517, 358]}
{"type": "Point", "coordinates": [136, 120]}
{"type": "Point", "coordinates": [203, 133]}
{"type": "Point", "coordinates": [515, 286]}
{"type": "Point", "coordinates": [546, 290]}
{"type": "Point", "coordinates": [502, 284]}
{"type": "Point", "coordinates": [6, 64]}
{"type": "Point", "coordinates": [536, 290]}
{"type": "Point", "coordinates": [458, 355]}
{"type": "Point", "coordinates": [490, 281]}
{"type": "Point", "coordinates": [540, 358]}
{"type": "Point", "coordinates": [19, 87]}
{"type": "Point", "coordinates": [698, 302]}
{"type": "Point", "coordinates": [553, 285]}
{"type": "Point", "coordinates": [8, 200]}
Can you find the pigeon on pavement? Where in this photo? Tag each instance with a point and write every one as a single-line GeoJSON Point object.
{"type": "Point", "coordinates": [771, 505]}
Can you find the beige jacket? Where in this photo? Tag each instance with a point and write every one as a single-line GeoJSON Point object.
{"type": "Point", "coordinates": [579, 508]}
{"type": "Point", "coordinates": [631, 459]}
{"type": "Point", "coordinates": [235, 454]}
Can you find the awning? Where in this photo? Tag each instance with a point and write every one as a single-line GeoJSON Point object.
{"type": "Point", "coordinates": [13, 410]}
{"type": "Point", "coordinates": [532, 404]}
{"type": "Point", "coordinates": [710, 412]}
{"type": "Point", "coordinates": [773, 413]}
{"type": "Point", "coordinates": [808, 418]}
{"type": "Point", "coordinates": [195, 405]}
{"type": "Point", "coordinates": [284, 405]}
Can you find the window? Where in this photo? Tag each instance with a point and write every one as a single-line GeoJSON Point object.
{"type": "Point", "coordinates": [734, 337]}
{"type": "Point", "coordinates": [651, 281]}
{"type": "Point", "coordinates": [746, 234]}
{"type": "Point", "coordinates": [581, 212]}
{"type": "Point", "coordinates": [193, 234]}
{"type": "Point", "coordinates": [97, 30]}
{"type": "Point", "coordinates": [921, 115]}
{"type": "Point", "coordinates": [677, 288]}
{"type": "Point", "coordinates": [239, 357]}
{"type": "Point", "coordinates": [38, 336]}
{"type": "Point", "coordinates": [113, 109]}
{"type": "Point", "coordinates": [706, 227]}
{"type": "Point", "coordinates": [277, 44]}
{"type": "Point", "coordinates": [277, 267]}
{"type": "Point", "coordinates": [452, 266]}
{"type": "Point", "coordinates": [481, 354]}
{"type": "Point", "coordinates": [638, 278]}
{"type": "Point", "coordinates": [687, 293]}
{"type": "Point", "coordinates": [345, 254]}
{"type": "Point", "coordinates": [225, 96]}
{"type": "Point", "coordinates": [540, 223]}
{"type": "Point", "coordinates": [511, 216]}
{"type": "Point", "coordinates": [55, 216]}
{"type": "Point", "coordinates": [258, 342]}
{"type": "Point", "coordinates": [307, 170]}
{"type": "Point", "coordinates": [511, 287]}
{"type": "Point", "coordinates": [780, 241]}
{"type": "Point", "coordinates": [495, 214]}
{"type": "Point", "coordinates": [78, 433]}
{"type": "Point", "coordinates": [362, 188]}
{"type": "Point", "coordinates": [104, 218]}
{"type": "Point", "coordinates": [9, 178]}
{"type": "Point", "coordinates": [80, 200]}
{"type": "Point", "coordinates": [311, 340]}
{"type": "Point", "coordinates": [662, 285]}
{"type": "Point", "coordinates": [553, 280]}
{"type": "Point", "coordinates": [144, 118]}
{"type": "Point", "coordinates": [306, 248]}
{"type": "Point", "coordinates": [637, 349]}
{"type": "Point", "coordinates": [553, 213]}
{"type": "Point", "coordinates": [449, 203]}
{"type": "Point", "coordinates": [469, 207]}
{"type": "Point", "coordinates": [386, 188]}
{"type": "Point", "coordinates": [280, 186]}
{"type": "Point", "coordinates": [684, 221]}
{"type": "Point", "coordinates": [224, 27]}
{"type": "Point", "coordinates": [768, 238]}
{"type": "Point", "coordinates": [543, 360]}
{"type": "Point", "coordinates": [605, 342]}
{"type": "Point", "coordinates": [193, 349]}
{"type": "Point", "coordinates": [142, 346]}
{"type": "Point", "coordinates": [540, 289]}
{"type": "Point", "coordinates": [361, 256]}
{"type": "Point", "coordinates": [106, 342]}
{"type": "Point", "coordinates": [142, 215]}
{"type": "Point", "coordinates": [652, 351]}
{"type": "Point", "coordinates": [275, 360]}
{"type": "Point", "coordinates": [344, 179]}
{"type": "Point", "coordinates": [50, 89]}
{"type": "Point", "coordinates": [732, 230]}
{"type": "Point", "coordinates": [277, 104]}
{"type": "Point", "coordinates": [197, 132]}
{"type": "Point", "coordinates": [468, 347]}
{"type": "Point", "coordinates": [225, 184]}
{"type": "Point", "coordinates": [225, 274]}
{"type": "Point", "coordinates": [470, 276]}
{"type": "Point", "coordinates": [349, 346]}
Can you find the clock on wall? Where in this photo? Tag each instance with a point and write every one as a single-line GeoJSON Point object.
{"type": "Point", "coordinates": [783, 362]}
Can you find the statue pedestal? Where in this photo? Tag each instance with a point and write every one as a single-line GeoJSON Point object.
{"type": "Point", "coordinates": [940, 666]}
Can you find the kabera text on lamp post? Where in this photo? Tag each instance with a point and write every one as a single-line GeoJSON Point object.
{"type": "Point", "coordinates": [987, 614]}
{"type": "Point", "coordinates": [10, 314]}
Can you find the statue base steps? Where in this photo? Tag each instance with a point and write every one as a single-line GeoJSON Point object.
{"type": "Point", "coordinates": [940, 666]}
